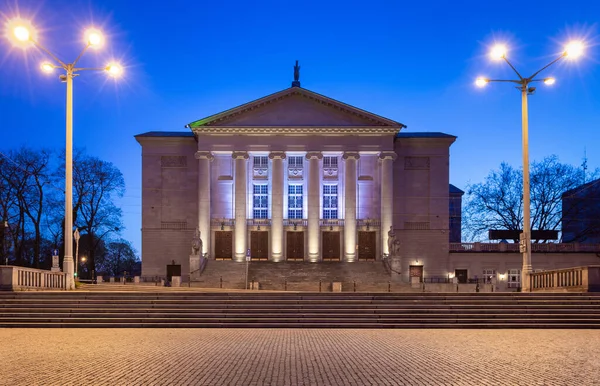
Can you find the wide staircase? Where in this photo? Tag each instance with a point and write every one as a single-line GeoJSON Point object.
{"type": "Point", "coordinates": [185, 307]}
{"type": "Point", "coordinates": [304, 276]}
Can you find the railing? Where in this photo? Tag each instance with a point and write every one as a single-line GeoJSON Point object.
{"type": "Point", "coordinates": [514, 247]}
{"type": "Point", "coordinates": [16, 278]}
{"type": "Point", "coordinates": [331, 222]}
{"type": "Point", "coordinates": [258, 221]}
{"type": "Point", "coordinates": [298, 222]}
{"type": "Point", "coordinates": [223, 222]}
{"type": "Point", "coordinates": [585, 279]}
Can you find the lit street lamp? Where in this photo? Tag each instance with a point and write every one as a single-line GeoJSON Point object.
{"type": "Point", "coordinates": [76, 236]}
{"type": "Point", "coordinates": [22, 33]}
{"type": "Point", "coordinates": [572, 51]}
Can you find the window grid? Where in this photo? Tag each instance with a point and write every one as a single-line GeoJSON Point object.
{"type": "Point", "coordinates": [489, 274]}
{"type": "Point", "coordinates": [330, 162]}
{"type": "Point", "coordinates": [295, 202]}
{"type": "Point", "coordinates": [295, 161]}
{"type": "Point", "coordinates": [514, 278]}
{"type": "Point", "coordinates": [261, 161]}
{"type": "Point", "coordinates": [330, 202]}
{"type": "Point", "coordinates": [260, 206]}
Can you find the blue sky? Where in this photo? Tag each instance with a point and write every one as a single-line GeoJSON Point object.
{"type": "Point", "coordinates": [413, 62]}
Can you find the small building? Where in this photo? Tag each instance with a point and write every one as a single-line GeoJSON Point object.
{"type": "Point", "coordinates": [581, 214]}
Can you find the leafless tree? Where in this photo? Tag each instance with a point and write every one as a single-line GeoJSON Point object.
{"type": "Point", "coordinates": [497, 203]}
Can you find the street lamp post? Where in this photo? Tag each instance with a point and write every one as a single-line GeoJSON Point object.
{"type": "Point", "coordinates": [572, 50]}
{"type": "Point", "coordinates": [23, 34]}
{"type": "Point", "coordinates": [247, 262]}
{"type": "Point", "coordinates": [76, 237]}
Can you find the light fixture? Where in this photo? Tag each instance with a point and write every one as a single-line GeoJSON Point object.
{"type": "Point", "coordinates": [114, 69]}
{"type": "Point", "coordinates": [574, 49]}
{"type": "Point", "coordinates": [368, 225]}
{"type": "Point", "coordinates": [94, 38]}
{"type": "Point", "coordinates": [20, 32]}
{"type": "Point", "coordinates": [258, 227]}
{"type": "Point", "coordinates": [498, 52]}
{"type": "Point", "coordinates": [47, 67]}
{"type": "Point", "coordinates": [331, 227]}
{"type": "Point", "coordinates": [549, 81]}
{"type": "Point", "coordinates": [222, 225]}
{"type": "Point", "coordinates": [295, 226]}
{"type": "Point", "coordinates": [481, 82]}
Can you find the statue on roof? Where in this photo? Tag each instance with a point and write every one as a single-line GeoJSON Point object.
{"type": "Point", "coordinates": [296, 82]}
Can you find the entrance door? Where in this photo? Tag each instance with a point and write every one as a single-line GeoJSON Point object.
{"type": "Point", "coordinates": [173, 270]}
{"type": "Point", "coordinates": [461, 275]}
{"type": "Point", "coordinates": [331, 246]}
{"type": "Point", "coordinates": [259, 245]}
{"type": "Point", "coordinates": [224, 245]}
{"type": "Point", "coordinates": [416, 271]}
{"type": "Point", "coordinates": [295, 246]}
{"type": "Point", "coordinates": [366, 246]}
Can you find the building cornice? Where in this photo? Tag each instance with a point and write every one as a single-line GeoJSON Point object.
{"type": "Point", "coordinates": [296, 130]}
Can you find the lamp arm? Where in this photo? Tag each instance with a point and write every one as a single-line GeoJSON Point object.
{"type": "Point", "coordinates": [546, 66]}
{"type": "Point", "coordinates": [89, 69]}
{"type": "Point", "coordinates": [38, 45]}
{"type": "Point", "coordinates": [503, 80]}
{"type": "Point", "coordinates": [513, 67]}
{"type": "Point", "coordinates": [81, 54]}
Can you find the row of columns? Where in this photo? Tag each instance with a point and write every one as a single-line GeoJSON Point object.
{"type": "Point", "coordinates": [313, 185]}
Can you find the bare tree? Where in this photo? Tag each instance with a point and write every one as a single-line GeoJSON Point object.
{"type": "Point", "coordinates": [96, 184]}
{"type": "Point", "coordinates": [119, 257]}
{"type": "Point", "coordinates": [497, 203]}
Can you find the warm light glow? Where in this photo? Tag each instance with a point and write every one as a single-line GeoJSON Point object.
{"type": "Point", "coordinates": [481, 82]}
{"type": "Point", "coordinates": [20, 31]}
{"type": "Point", "coordinates": [498, 52]}
{"type": "Point", "coordinates": [94, 38]}
{"type": "Point", "coordinates": [574, 49]}
{"type": "Point", "coordinates": [549, 81]}
{"type": "Point", "coordinates": [83, 259]}
{"type": "Point", "coordinates": [114, 69]}
{"type": "Point", "coordinates": [47, 67]}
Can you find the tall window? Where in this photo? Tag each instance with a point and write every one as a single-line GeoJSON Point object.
{"type": "Point", "coordinates": [260, 207]}
{"type": "Point", "coordinates": [294, 201]}
{"type": "Point", "coordinates": [295, 161]}
{"type": "Point", "coordinates": [330, 162]}
{"type": "Point", "coordinates": [330, 201]}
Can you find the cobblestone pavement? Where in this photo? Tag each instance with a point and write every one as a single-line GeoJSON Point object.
{"type": "Point", "coordinates": [298, 357]}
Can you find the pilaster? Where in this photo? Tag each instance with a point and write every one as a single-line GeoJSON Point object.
{"type": "Point", "coordinates": [241, 161]}
{"type": "Point", "coordinates": [387, 195]}
{"type": "Point", "coordinates": [314, 194]}
{"type": "Point", "coordinates": [277, 193]}
{"type": "Point", "coordinates": [350, 182]}
{"type": "Point", "coordinates": [204, 199]}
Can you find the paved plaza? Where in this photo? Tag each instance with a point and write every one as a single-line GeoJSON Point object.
{"type": "Point", "coordinates": [298, 357]}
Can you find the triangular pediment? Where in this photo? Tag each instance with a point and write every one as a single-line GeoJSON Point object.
{"type": "Point", "coordinates": [295, 107]}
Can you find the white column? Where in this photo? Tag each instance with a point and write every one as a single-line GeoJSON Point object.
{"type": "Point", "coordinates": [241, 159]}
{"type": "Point", "coordinates": [387, 195]}
{"type": "Point", "coordinates": [204, 158]}
{"type": "Point", "coordinates": [314, 195]}
{"type": "Point", "coordinates": [350, 182]}
{"type": "Point", "coordinates": [277, 158]}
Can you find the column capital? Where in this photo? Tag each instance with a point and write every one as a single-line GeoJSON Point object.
{"type": "Point", "coordinates": [313, 155]}
{"type": "Point", "coordinates": [204, 155]}
{"type": "Point", "coordinates": [240, 155]}
{"type": "Point", "coordinates": [351, 154]}
{"type": "Point", "coordinates": [388, 155]}
{"type": "Point", "coordinates": [277, 155]}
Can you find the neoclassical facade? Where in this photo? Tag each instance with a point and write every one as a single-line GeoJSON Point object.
{"type": "Point", "coordinates": [295, 176]}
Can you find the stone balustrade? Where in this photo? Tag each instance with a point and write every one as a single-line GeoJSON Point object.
{"type": "Point", "coordinates": [20, 278]}
{"type": "Point", "coordinates": [577, 279]}
{"type": "Point", "coordinates": [514, 247]}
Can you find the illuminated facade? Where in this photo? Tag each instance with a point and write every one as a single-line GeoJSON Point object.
{"type": "Point", "coordinates": [294, 176]}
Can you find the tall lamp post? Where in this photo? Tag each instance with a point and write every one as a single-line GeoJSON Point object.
{"type": "Point", "coordinates": [22, 33]}
{"type": "Point", "coordinates": [572, 51]}
{"type": "Point", "coordinates": [76, 236]}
